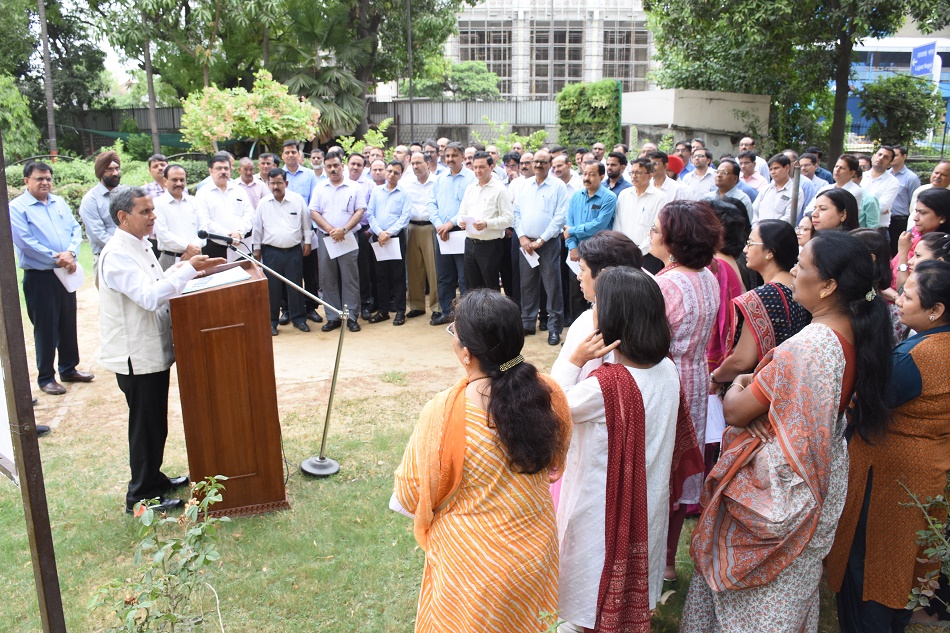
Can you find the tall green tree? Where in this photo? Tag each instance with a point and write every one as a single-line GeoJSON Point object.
{"type": "Point", "coordinates": [19, 132]}
{"type": "Point", "coordinates": [903, 109]}
{"type": "Point", "coordinates": [18, 41]}
{"type": "Point", "coordinates": [462, 81]}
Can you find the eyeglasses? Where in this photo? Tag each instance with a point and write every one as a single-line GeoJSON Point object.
{"type": "Point", "coordinates": [751, 243]}
{"type": "Point", "coordinates": [450, 328]}
{"type": "Point", "coordinates": [802, 229]}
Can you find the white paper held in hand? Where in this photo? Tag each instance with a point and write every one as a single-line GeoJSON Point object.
{"type": "Point", "coordinates": [533, 259]}
{"type": "Point", "coordinates": [71, 281]}
{"type": "Point", "coordinates": [346, 245]}
{"type": "Point", "coordinates": [470, 225]}
{"type": "Point", "coordinates": [388, 252]}
{"type": "Point", "coordinates": [455, 245]}
{"type": "Point", "coordinates": [574, 266]}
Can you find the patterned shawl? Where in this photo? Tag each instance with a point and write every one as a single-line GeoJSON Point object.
{"type": "Point", "coordinates": [771, 313]}
{"type": "Point", "coordinates": [760, 513]}
{"type": "Point", "coordinates": [623, 598]}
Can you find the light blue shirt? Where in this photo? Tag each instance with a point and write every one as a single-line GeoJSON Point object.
{"type": "Point", "coordinates": [94, 211]}
{"type": "Point", "coordinates": [447, 194]}
{"type": "Point", "coordinates": [736, 194]}
{"type": "Point", "coordinates": [541, 210]}
{"type": "Point", "coordinates": [337, 204]}
{"type": "Point", "coordinates": [589, 214]}
{"type": "Point", "coordinates": [302, 182]}
{"type": "Point", "coordinates": [42, 231]}
{"type": "Point", "coordinates": [388, 210]}
{"type": "Point", "coordinates": [909, 182]}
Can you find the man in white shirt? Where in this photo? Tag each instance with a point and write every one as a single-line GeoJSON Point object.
{"type": "Point", "coordinates": [846, 169]}
{"type": "Point", "coordinates": [727, 186]}
{"type": "Point", "coordinates": [255, 189]}
{"type": "Point", "coordinates": [420, 243]}
{"type": "Point", "coordinates": [135, 338]}
{"type": "Point", "coordinates": [638, 206]}
{"type": "Point", "coordinates": [775, 201]}
{"type": "Point", "coordinates": [747, 144]}
{"type": "Point", "coordinates": [281, 238]}
{"type": "Point", "coordinates": [562, 171]}
{"type": "Point", "coordinates": [223, 207]}
{"type": "Point", "coordinates": [485, 213]}
{"type": "Point", "coordinates": [265, 163]}
{"type": "Point", "coordinates": [702, 179]}
{"type": "Point", "coordinates": [337, 208]}
{"type": "Point", "coordinates": [377, 172]}
{"type": "Point", "coordinates": [539, 214]}
{"type": "Point", "coordinates": [881, 183]}
{"type": "Point", "coordinates": [672, 189]}
{"type": "Point", "coordinates": [316, 162]}
{"type": "Point", "coordinates": [498, 170]}
{"type": "Point", "coordinates": [176, 220]}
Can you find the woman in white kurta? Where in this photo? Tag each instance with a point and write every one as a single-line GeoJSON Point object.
{"type": "Point", "coordinates": [642, 350]}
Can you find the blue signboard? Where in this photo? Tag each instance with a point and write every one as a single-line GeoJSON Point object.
{"type": "Point", "coordinates": [922, 60]}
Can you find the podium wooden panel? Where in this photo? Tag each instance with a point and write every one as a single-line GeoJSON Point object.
{"type": "Point", "coordinates": [225, 361]}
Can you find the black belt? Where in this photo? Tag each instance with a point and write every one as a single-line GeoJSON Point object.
{"type": "Point", "coordinates": [420, 223]}
{"type": "Point", "coordinates": [170, 254]}
{"type": "Point", "coordinates": [280, 248]}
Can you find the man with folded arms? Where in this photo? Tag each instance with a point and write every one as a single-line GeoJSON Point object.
{"type": "Point", "coordinates": [176, 220]}
{"type": "Point", "coordinates": [487, 206]}
{"type": "Point", "coordinates": [281, 237]}
{"type": "Point", "coordinates": [47, 236]}
{"type": "Point", "coordinates": [135, 338]}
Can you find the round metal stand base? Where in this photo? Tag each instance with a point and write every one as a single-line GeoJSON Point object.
{"type": "Point", "coordinates": [320, 467]}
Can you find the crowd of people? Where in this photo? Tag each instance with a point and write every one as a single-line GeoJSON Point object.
{"type": "Point", "coordinates": [767, 357]}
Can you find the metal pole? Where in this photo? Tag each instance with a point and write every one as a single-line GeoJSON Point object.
{"type": "Point", "coordinates": [412, 123]}
{"type": "Point", "coordinates": [26, 448]}
{"type": "Point", "coordinates": [796, 190]}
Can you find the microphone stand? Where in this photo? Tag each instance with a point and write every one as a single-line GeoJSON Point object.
{"type": "Point", "coordinates": [321, 465]}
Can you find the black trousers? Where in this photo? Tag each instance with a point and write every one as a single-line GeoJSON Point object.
{"type": "Point", "coordinates": [289, 263]}
{"type": "Point", "coordinates": [147, 397]}
{"type": "Point", "coordinates": [510, 273]}
{"type": "Point", "coordinates": [52, 311]}
{"type": "Point", "coordinates": [898, 226]}
{"type": "Point", "coordinates": [652, 264]}
{"type": "Point", "coordinates": [213, 249]}
{"type": "Point", "coordinates": [391, 279]}
{"type": "Point", "coordinates": [369, 296]}
{"type": "Point", "coordinates": [483, 259]}
{"type": "Point", "coordinates": [311, 280]}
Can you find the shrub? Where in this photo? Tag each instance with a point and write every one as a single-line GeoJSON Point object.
{"type": "Point", "coordinates": [589, 113]}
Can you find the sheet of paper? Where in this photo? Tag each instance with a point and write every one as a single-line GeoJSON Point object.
{"type": "Point", "coordinates": [314, 241]}
{"type": "Point", "coordinates": [346, 245]}
{"type": "Point", "coordinates": [455, 245]}
{"type": "Point", "coordinates": [470, 225]}
{"type": "Point", "coordinates": [533, 259]}
{"type": "Point", "coordinates": [244, 246]}
{"type": "Point", "coordinates": [228, 276]}
{"type": "Point", "coordinates": [574, 266]}
{"type": "Point", "coordinates": [715, 422]}
{"type": "Point", "coordinates": [388, 252]}
{"type": "Point", "coordinates": [71, 281]}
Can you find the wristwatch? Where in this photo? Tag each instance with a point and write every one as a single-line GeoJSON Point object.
{"type": "Point", "coordinates": [903, 268]}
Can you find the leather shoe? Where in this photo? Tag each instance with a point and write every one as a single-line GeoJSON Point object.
{"type": "Point", "coordinates": [435, 315]}
{"type": "Point", "coordinates": [352, 325]}
{"type": "Point", "coordinates": [366, 313]}
{"type": "Point", "coordinates": [302, 326]}
{"type": "Point", "coordinates": [400, 319]}
{"type": "Point", "coordinates": [442, 319]}
{"type": "Point", "coordinates": [414, 313]}
{"type": "Point", "coordinates": [331, 325]}
{"type": "Point", "coordinates": [314, 316]}
{"type": "Point", "coordinates": [76, 376]}
{"type": "Point", "coordinates": [41, 430]}
{"type": "Point", "coordinates": [164, 505]}
{"type": "Point", "coordinates": [553, 337]}
{"type": "Point", "coordinates": [528, 332]}
{"type": "Point", "coordinates": [543, 324]}
{"type": "Point", "coordinates": [284, 318]}
{"type": "Point", "coordinates": [53, 388]}
{"type": "Point", "coordinates": [273, 330]}
{"type": "Point", "coordinates": [178, 482]}
{"type": "Point", "coordinates": [35, 402]}
{"type": "Point", "coordinates": [379, 317]}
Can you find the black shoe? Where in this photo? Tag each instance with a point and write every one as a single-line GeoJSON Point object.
{"type": "Point", "coordinates": [435, 316]}
{"type": "Point", "coordinates": [273, 330]}
{"type": "Point", "coordinates": [400, 319]}
{"type": "Point", "coordinates": [414, 313]}
{"type": "Point", "coordinates": [553, 337]}
{"type": "Point", "coordinates": [174, 483]}
{"type": "Point", "coordinates": [366, 313]}
{"type": "Point", "coordinates": [35, 402]}
{"type": "Point", "coordinates": [352, 325]}
{"type": "Point", "coordinates": [442, 319]}
{"type": "Point", "coordinates": [528, 332]}
{"type": "Point", "coordinates": [379, 317]}
{"type": "Point", "coordinates": [302, 326]}
{"type": "Point", "coordinates": [543, 324]}
{"type": "Point", "coordinates": [314, 316]}
{"type": "Point", "coordinates": [164, 505]}
{"type": "Point", "coordinates": [284, 318]}
{"type": "Point", "coordinates": [42, 429]}
{"type": "Point", "coordinates": [331, 325]}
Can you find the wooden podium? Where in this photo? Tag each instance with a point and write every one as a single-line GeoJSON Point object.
{"type": "Point", "coordinates": [225, 361]}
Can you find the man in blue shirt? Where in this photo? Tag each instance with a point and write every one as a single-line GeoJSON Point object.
{"type": "Point", "coordinates": [47, 236]}
{"type": "Point", "coordinates": [589, 211]}
{"type": "Point", "coordinates": [388, 213]}
{"type": "Point", "coordinates": [301, 181]}
{"type": "Point", "coordinates": [444, 206]}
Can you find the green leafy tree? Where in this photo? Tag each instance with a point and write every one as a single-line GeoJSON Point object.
{"type": "Point", "coordinates": [464, 81]}
{"type": "Point", "coordinates": [502, 137]}
{"type": "Point", "coordinates": [136, 96]}
{"type": "Point", "coordinates": [19, 131]}
{"type": "Point", "coordinates": [18, 41]}
{"type": "Point", "coordinates": [902, 109]}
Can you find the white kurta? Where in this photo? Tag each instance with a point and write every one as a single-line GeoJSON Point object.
{"type": "Point", "coordinates": [583, 501]}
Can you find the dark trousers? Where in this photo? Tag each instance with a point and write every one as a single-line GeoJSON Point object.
{"type": "Point", "coordinates": [147, 397]}
{"type": "Point", "coordinates": [652, 264]}
{"type": "Point", "coordinates": [450, 272]}
{"type": "Point", "coordinates": [578, 303]}
{"type": "Point", "coordinates": [510, 279]}
{"type": "Point", "coordinates": [898, 226]}
{"type": "Point", "coordinates": [369, 296]}
{"type": "Point", "coordinates": [856, 615]}
{"type": "Point", "coordinates": [391, 279]}
{"type": "Point", "coordinates": [52, 311]}
{"type": "Point", "coordinates": [213, 249]}
{"type": "Point", "coordinates": [483, 260]}
{"type": "Point", "coordinates": [544, 279]}
{"type": "Point", "coordinates": [289, 263]}
{"type": "Point", "coordinates": [311, 279]}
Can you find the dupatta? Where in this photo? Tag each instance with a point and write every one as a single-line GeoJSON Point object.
{"type": "Point", "coordinates": [762, 502]}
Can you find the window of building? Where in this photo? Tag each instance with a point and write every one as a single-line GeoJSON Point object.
{"type": "Point", "coordinates": [489, 42]}
{"type": "Point", "coordinates": [627, 54]}
{"type": "Point", "coordinates": [557, 56]}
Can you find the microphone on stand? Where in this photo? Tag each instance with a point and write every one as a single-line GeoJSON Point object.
{"type": "Point", "coordinates": [204, 235]}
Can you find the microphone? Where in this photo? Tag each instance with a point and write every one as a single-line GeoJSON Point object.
{"type": "Point", "coordinates": [204, 235]}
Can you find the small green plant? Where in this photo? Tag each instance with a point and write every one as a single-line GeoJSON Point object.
{"type": "Point", "coordinates": [503, 138]}
{"type": "Point", "coordinates": [937, 547]}
{"type": "Point", "coordinates": [372, 138]}
{"type": "Point", "coordinates": [164, 593]}
{"type": "Point", "coordinates": [551, 620]}
{"type": "Point", "coordinates": [395, 378]}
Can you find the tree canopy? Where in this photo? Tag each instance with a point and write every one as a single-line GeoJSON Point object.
{"type": "Point", "coordinates": [19, 132]}
{"type": "Point", "coordinates": [902, 108]}
{"type": "Point", "coordinates": [447, 80]}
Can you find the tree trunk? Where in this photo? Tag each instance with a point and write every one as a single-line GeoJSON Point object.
{"type": "Point", "coordinates": [842, 87]}
{"type": "Point", "coordinates": [150, 83]}
{"type": "Point", "coordinates": [266, 46]}
{"type": "Point", "coordinates": [47, 79]}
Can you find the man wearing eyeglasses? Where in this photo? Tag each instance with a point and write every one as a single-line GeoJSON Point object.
{"type": "Point", "coordinates": [638, 205]}
{"type": "Point", "coordinates": [727, 186]}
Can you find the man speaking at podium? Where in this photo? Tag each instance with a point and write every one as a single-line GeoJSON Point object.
{"type": "Point", "coordinates": [136, 337]}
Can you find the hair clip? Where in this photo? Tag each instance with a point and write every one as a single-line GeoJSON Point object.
{"type": "Point", "coordinates": [870, 295]}
{"type": "Point", "coordinates": [514, 361]}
